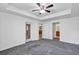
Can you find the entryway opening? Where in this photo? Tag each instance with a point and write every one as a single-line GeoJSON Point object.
{"type": "Point", "coordinates": [28, 31]}
{"type": "Point", "coordinates": [40, 32]}
{"type": "Point", "coordinates": [56, 31]}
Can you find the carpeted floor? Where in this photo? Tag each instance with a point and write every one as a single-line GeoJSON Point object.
{"type": "Point", "coordinates": [43, 47]}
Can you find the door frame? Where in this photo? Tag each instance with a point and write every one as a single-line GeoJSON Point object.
{"type": "Point", "coordinates": [53, 29]}
{"type": "Point", "coordinates": [25, 31]}
{"type": "Point", "coordinates": [41, 31]}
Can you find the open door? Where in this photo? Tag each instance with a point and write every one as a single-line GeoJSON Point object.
{"type": "Point", "coordinates": [56, 31]}
{"type": "Point", "coordinates": [40, 32]}
{"type": "Point", "coordinates": [28, 31]}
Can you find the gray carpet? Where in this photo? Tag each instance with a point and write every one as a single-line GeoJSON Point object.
{"type": "Point", "coordinates": [43, 47]}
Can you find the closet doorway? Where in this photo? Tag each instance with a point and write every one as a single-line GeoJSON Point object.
{"type": "Point", "coordinates": [28, 31]}
{"type": "Point", "coordinates": [56, 31]}
{"type": "Point", "coordinates": [40, 32]}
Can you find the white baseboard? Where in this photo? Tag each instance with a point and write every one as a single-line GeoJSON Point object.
{"type": "Point", "coordinates": [8, 47]}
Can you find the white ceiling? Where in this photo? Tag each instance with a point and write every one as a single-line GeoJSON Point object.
{"type": "Point", "coordinates": [26, 9]}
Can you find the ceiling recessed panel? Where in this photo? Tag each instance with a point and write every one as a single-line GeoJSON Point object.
{"type": "Point", "coordinates": [31, 6]}
{"type": "Point", "coordinates": [28, 7]}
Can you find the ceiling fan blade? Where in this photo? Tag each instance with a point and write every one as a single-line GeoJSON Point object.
{"type": "Point", "coordinates": [49, 6]}
{"type": "Point", "coordinates": [38, 4]}
{"type": "Point", "coordinates": [47, 11]}
{"type": "Point", "coordinates": [36, 10]}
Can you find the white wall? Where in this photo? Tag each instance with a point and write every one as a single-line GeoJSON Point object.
{"type": "Point", "coordinates": [69, 28]}
{"type": "Point", "coordinates": [12, 30]}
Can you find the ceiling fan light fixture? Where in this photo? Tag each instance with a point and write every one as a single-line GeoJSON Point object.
{"type": "Point", "coordinates": [43, 8]}
{"type": "Point", "coordinates": [42, 11]}
{"type": "Point", "coordinates": [43, 4]}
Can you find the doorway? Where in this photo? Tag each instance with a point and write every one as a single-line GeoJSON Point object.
{"type": "Point", "coordinates": [56, 31]}
{"type": "Point", "coordinates": [28, 31]}
{"type": "Point", "coordinates": [40, 32]}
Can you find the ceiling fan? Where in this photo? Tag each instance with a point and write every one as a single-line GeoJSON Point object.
{"type": "Point", "coordinates": [43, 8]}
